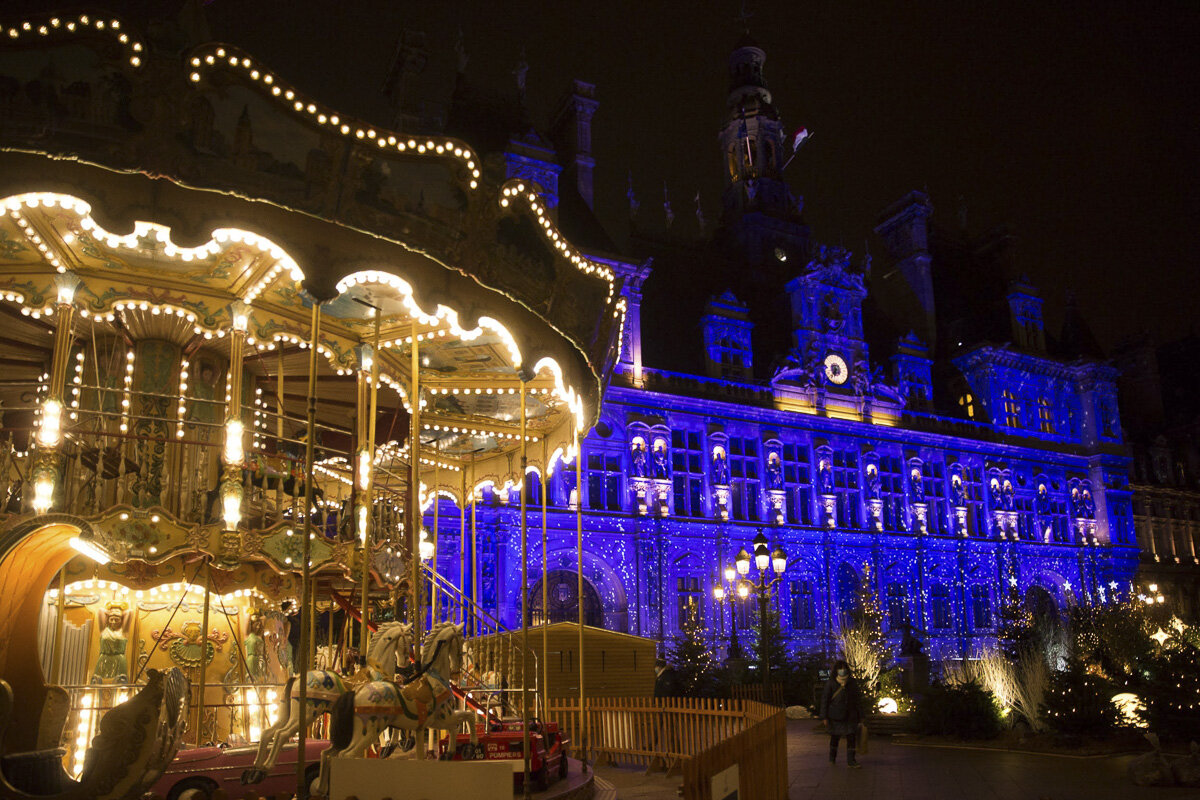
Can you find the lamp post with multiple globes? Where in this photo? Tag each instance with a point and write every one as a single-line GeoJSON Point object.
{"type": "Point", "coordinates": [766, 562]}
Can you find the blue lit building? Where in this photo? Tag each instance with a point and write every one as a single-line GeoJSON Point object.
{"type": "Point", "coordinates": [911, 413]}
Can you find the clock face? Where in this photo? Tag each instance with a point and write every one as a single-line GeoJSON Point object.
{"type": "Point", "coordinates": [835, 369]}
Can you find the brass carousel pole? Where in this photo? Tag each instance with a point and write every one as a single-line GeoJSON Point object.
{"type": "Point", "coordinates": [474, 555]}
{"type": "Point", "coordinates": [433, 575]}
{"type": "Point", "coordinates": [59, 627]}
{"type": "Point", "coordinates": [524, 600]}
{"type": "Point", "coordinates": [367, 484]}
{"type": "Point", "coordinates": [462, 550]}
{"type": "Point", "coordinates": [545, 589]}
{"type": "Point", "coordinates": [305, 586]}
{"type": "Point", "coordinates": [414, 496]}
{"type": "Point", "coordinates": [203, 652]}
{"type": "Point", "coordinates": [579, 591]}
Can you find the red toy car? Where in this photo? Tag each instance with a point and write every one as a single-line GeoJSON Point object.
{"type": "Point", "coordinates": [203, 770]}
{"type": "Point", "coordinates": [503, 742]}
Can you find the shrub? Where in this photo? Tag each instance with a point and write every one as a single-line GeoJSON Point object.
{"type": "Point", "coordinates": [965, 710]}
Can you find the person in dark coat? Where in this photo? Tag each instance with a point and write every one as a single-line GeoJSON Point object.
{"type": "Point", "coordinates": [665, 682]}
{"type": "Point", "coordinates": [841, 711]}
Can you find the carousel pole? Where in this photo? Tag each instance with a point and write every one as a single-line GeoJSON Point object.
{"type": "Point", "coordinates": [203, 651]}
{"type": "Point", "coordinates": [49, 434]}
{"type": "Point", "coordinates": [579, 590]}
{"type": "Point", "coordinates": [59, 627]}
{"type": "Point", "coordinates": [524, 598]}
{"type": "Point", "coordinates": [462, 549]}
{"type": "Point", "coordinates": [474, 555]}
{"type": "Point", "coordinates": [414, 498]}
{"type": "Point", "coordinates": [305, 577]}
{"type": "Point", "coordinates": [545, 588]}
{"type": "Point", "coordinates": [433, 590]}
{"type": "Point", "coordinates": [366, 467]}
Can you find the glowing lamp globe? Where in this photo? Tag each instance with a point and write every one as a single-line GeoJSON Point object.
{"type": "Point", "coordinates": [743, 562]}
{"type": "Point", "coordinates": [778, 560]}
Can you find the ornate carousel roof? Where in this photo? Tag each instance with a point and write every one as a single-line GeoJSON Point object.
{"type": "Point", "coordinates": [164, 190]}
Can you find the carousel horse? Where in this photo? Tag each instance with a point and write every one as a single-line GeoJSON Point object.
{"type": "Point", "coordinates": [361, 716]}
{"type": "Point", "coordinates": [392, 641]}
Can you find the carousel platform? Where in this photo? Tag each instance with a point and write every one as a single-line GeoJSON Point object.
{"type": "Point", "coordinates": [578, 785]}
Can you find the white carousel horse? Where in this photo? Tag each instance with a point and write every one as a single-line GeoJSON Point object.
{"type": "Point", "coordinates": [360, 716]}
{"type": "Point", "coordinates": [391, 640]}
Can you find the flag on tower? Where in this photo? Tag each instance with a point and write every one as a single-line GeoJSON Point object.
{"type": "Point", "coordinates": [798, 138]}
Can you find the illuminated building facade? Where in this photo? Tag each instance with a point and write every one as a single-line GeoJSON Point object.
{"type": "Point", "coordinates": [917, 417]}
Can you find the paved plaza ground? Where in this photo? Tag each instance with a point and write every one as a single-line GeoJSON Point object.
{"type": "Point", "coordinates": [901, 772]}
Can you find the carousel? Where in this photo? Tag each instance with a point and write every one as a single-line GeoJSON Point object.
{"type": "Point", "coordinates": [251, 348]}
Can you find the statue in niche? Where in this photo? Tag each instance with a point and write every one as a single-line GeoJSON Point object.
{"type": "Point", "coordinates": [1009, 495]}
{"type": "Point", "coordinates": [916, 486]}
{"type": "Point", "coordinates": [255, 647]}
{"type": "Point", "coordinates": [774, 471]}
{"type": "Point", "coordinates": [824, 477]}
{"type": "Point", "coordinates": [1089, 505]}
{"type": "Point", "coordinates": [958, 491]}
{"type": "Point", "coordinates": [720, 469]}
{"type": "Point", "coordinates": [1041, 502]}
{"type": "Point", "coordinates": [112, 666]}
{"type": "Point", "coordinates": [638, 459]}
{"type": "Point", "coordinates": [659, 464]}
{"type": "Point", "coordinates": [860, 378]}
{"type": "Point", "coordinates": [873, 483]}
{"type": "Point", "coordinates": [996, 495]}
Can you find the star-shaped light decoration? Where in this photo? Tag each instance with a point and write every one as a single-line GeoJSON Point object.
{"type": "Point", "coordinates": [1160, 636]}
{"type": "Point", "coordinates": [1112, 585]}
{"type": "Point", "coordinates": [1100, 589]}
{"type": "Point", "coordinates": [1067, 585]}
{"type": "Point", "coordinates": [1012, 581]}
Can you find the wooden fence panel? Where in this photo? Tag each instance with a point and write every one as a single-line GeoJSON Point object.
{"type": "Point", "coordinates": [760, 751]}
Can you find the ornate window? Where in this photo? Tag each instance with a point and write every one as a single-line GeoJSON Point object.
{"type": "Point", "coordinates": [897, 606]}
{"type": "Point", "coordinates": [744, 478]}
{"type": "Point", "coordinates": [804, 607]}
{"type": "Point", "coordinates": [1011, 408]}
{"type": "Point", "coordinates": [604, 479]}
{"type": "Point", "coordinates": [933, 476]}
{"type": "Point", "coordinates": [687, 599]}
{"type": "Point", "coordinates": [981, 608]}
{"type": "Point", "coordinates": [1045, 415]}
{"type": "Point", "coordinates": [687, 468]}
{"type": "Point", "coordinates": [966, 402]}
{"type": "Point", "coordinates": [939, 607]}
{"type": "Point", "coordinates": [797, 478]}
{"type": "Point", "coordinates": [845, 483]}
{"type": "Point", "coordinates": [891, 487]}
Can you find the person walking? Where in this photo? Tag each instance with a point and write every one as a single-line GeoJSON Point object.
{"type": "Point", "coordinates": [841, 712]}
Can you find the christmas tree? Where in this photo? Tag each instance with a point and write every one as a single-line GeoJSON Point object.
{"type": "Point", "coordinates": [771, 642]}
{"type": "Point", "coordinates": [1078, 701]}
{"type": "Point", "coordinates": [694, 662]}
{"type": "Point", "coordinates": [863, 644]}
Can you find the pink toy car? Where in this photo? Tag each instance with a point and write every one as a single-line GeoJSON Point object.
{"type": "Point", "coordinates": [203, 770]}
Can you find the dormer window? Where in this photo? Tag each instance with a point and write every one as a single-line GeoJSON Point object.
{"type": "Point", "coordinates": [966, 402]}
{"type": "Point", "coordinates": [1012, 409]}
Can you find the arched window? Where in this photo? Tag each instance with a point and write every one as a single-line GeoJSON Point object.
{"type": "Point", "coordinates": [981, 608]}
{"type": "Point", "coordinates": [804, 609]}
{"type": "Point", "coordinates": [939, 607]}
{"type": "Point", "coordinates": [1045, 412]}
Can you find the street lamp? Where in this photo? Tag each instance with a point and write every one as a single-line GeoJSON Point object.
{"type": "Point", "coordinates": [726, 594]}
{"type": "Point", "coordinates": [767, 562]}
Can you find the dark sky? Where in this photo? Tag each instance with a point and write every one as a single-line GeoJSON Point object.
{"type": "Point", "coordinates": [1073, 123]}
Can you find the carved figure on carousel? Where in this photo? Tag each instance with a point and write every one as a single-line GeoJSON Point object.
{"type": "Point", "coordinates": [112, 666]}
{"type": "Point", "coordinates": [637, 454]}
{"type": "Point", "coordinates": [255, 647]}
{"type": "Point", "coordinates": [774, 471]}
{"type": "Point", "coordinates": [393, 640]}
{"type": "Point", "coordinates": [659, 462]}
{"type": "Point", "coordinates": [359, 717]}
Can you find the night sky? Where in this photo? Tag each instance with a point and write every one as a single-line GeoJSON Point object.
{"type": "Point", "coordinates": [1075, 124]}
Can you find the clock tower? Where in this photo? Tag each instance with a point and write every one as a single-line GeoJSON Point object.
{"type": "Point", "coordinates": [826, 305]}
